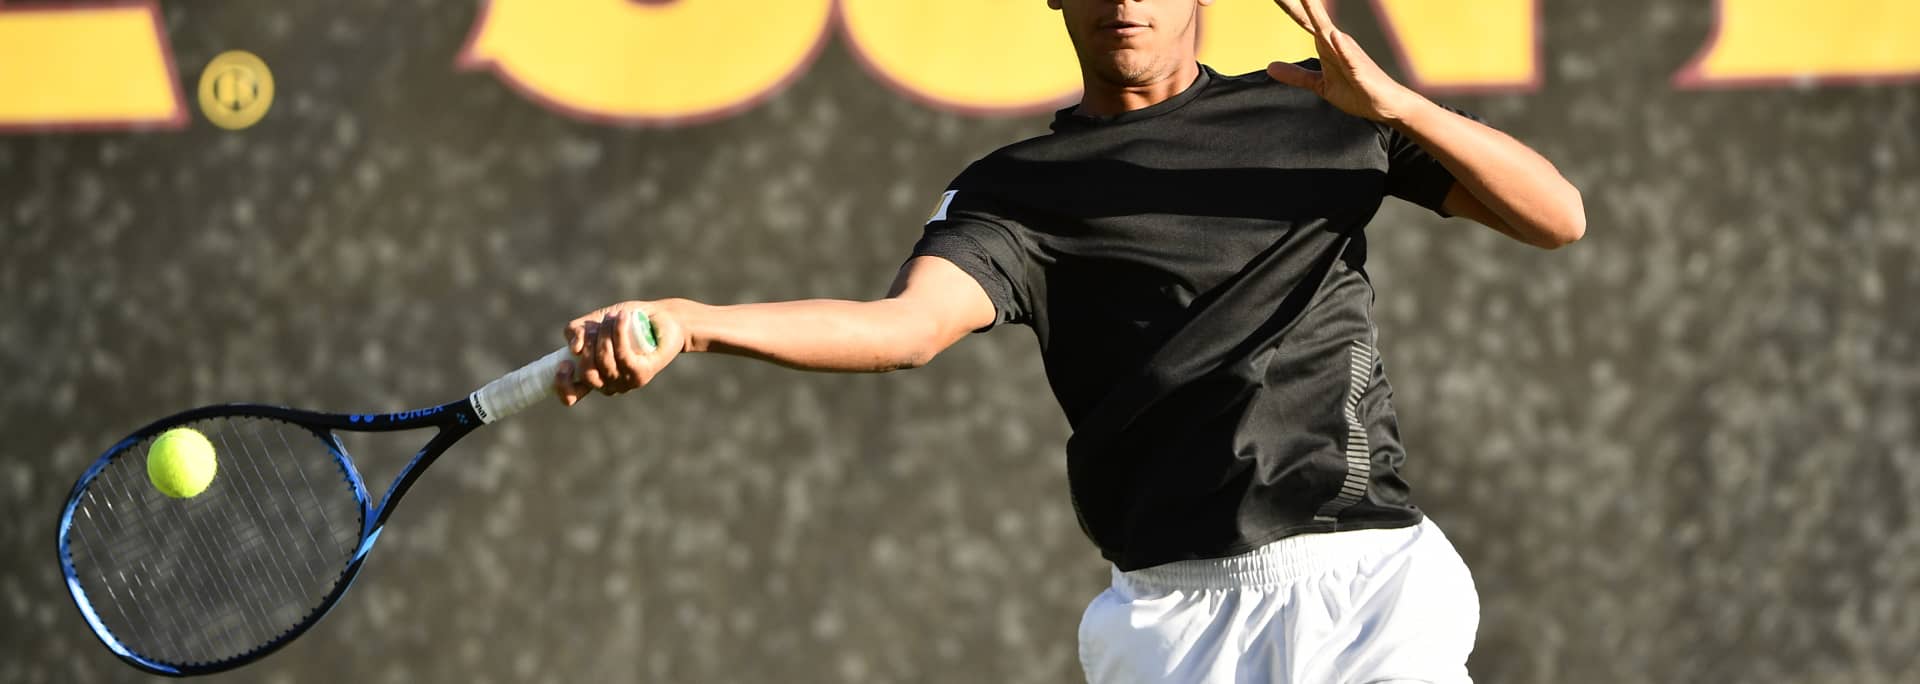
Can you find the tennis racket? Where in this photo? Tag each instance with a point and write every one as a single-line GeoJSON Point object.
{"type": "Point", "coordinates": [209, 583]}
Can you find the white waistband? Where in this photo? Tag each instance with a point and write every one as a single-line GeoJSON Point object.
{"type": "Point", "coordinates": [1279, 562]}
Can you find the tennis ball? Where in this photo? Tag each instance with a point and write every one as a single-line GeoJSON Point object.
{"type": "Point", "coordinates": [180, 463]}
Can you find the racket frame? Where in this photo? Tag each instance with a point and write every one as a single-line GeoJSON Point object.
{"type": "Point", "coordinates": [454, 420]}
{"type": "Point", "coordinates": [503, 397]}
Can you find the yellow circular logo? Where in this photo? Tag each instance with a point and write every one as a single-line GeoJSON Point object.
{"type": "Point", "coordinates": [235, 90]}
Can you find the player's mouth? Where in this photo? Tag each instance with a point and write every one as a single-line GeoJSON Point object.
{"type": "Point", "coordinates": [1123, 28]}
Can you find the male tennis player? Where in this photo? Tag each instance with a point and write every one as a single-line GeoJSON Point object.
{"type": "Point", "coordinates": [1188, 248]}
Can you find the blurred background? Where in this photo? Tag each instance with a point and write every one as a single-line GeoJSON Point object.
{"type": "Point", "coordinates": [1682, 449]}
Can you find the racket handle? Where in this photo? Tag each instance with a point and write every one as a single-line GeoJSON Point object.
{"type": "Point", "coordinates": [533, 383]}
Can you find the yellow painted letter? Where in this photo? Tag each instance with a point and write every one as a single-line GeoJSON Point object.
{"type": "Point", "coordinates": [656, 61]}
{"type": "Point", "coordinates": [975, 55]}
{"type": "Point", "coordinates": [1766, 41]}
{"type": "Point", "coordinates": [1238, 36]}
{"type": "Point", "coordinates": [1456, 45]}
{"type": "Point", "coordinates": [80, 66]}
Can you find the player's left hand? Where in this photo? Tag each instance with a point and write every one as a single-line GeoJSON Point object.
{"type": "Point", "coordinates": [1348, 78]}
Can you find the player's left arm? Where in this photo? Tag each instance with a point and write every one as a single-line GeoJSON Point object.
{"type": "Point", "coordinates": [1500, 182]}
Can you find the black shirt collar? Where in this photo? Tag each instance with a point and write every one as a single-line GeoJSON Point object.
{"type": "Point", "coordinates": [1070, 117]}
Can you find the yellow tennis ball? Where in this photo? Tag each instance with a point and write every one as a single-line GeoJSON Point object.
{"type": "Point", "coordinates": [180, 463]}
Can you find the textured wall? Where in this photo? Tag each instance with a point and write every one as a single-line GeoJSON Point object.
{"type": "Point", "coordinates": [1680, 450]}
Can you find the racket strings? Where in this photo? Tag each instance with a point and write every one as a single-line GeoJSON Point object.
{"type": "Point", "coordinates": [215, 576]}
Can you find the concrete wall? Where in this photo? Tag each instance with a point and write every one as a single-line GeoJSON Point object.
{"type": "Point", "coordinates": [1680, 450]}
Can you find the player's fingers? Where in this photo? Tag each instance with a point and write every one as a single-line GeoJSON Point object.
{"type": "Point", "coordinates": [633, 371]}
{"type": "Point", "coordinates": [586, 366]}
{"type": "Point", "coordinates": [603, 354]}
{"type": "Point", "coordinates": [1350, 55]}
{"type": "Point", "coordinates": [582, 343]}
{"type": "Point", "coordinates": [564, 385]}
{"type": "Point", "coordinates": [576, 334]}
{"type": "Point", "coordinates": [1295, 75]}
{"type": "Point", "coordinates": [1321, 20]}
{"type": "Point", "coordinates": [1333, 60]}
{"type": "Point", "coordinates": [1334, 63]}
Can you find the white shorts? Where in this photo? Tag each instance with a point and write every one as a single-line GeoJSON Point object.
{"type": "Point", "coordinates": [1360, 607]}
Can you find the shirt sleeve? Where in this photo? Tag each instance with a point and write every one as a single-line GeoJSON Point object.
{"type": "Point", "coordinates": [966, 230]}
{"type": "Point", "coordinates": [1413, 174]}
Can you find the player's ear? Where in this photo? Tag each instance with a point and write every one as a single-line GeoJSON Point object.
{"type": "Point", "coordinates": [1054, 3]}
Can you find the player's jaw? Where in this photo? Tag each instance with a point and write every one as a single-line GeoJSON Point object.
{"type": "Point", "coordinates": [1130, 43]}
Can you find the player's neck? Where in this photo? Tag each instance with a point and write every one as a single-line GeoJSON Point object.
{"type": "Point", "coordinates": [1103, 98]}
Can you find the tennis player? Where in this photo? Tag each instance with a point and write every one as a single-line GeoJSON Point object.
{"type": "Point", "coordinates": [1188, 248]}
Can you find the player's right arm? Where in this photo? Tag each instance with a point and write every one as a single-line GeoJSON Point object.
{"type": "Point", "coordinates": [931, 305]}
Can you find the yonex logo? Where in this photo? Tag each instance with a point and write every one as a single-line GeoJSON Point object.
{"type": "Point", "coordinates": [395, 417]}
{"type": "Point", "coordinates": [410, 415]}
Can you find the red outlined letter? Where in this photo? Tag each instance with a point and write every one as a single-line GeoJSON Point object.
{"type": "Point", "coordinates": [1465, 45]}
{"type": "Point", "coordinates": [654, 61]}
{"type": "Point", "coordinates": [1237, 36]}
{"type": "Point", "coordinates": [1763, 42]}
{"type": "Point", "coordinates": [977, 56]}
{"type": "Point", "coordinates": [94, 66]}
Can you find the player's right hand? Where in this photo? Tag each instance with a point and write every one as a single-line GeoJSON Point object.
{"type": "Point", "coordinates": [612, 357]}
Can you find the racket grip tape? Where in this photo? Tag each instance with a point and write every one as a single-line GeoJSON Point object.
{"type": "Point", "coordinates": [533, 383]}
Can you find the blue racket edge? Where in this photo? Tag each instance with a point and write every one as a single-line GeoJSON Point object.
{"type": "Point", "coordinates": [503, 397]}
{"type": "Point", "coordinates": [454, 421]}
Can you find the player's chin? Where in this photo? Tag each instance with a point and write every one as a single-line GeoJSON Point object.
{"type": "Point", "coordinates": [1132, 68]}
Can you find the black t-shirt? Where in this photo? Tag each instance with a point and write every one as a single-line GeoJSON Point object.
{"type": "Point", "coordinates": [1193, 271]}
